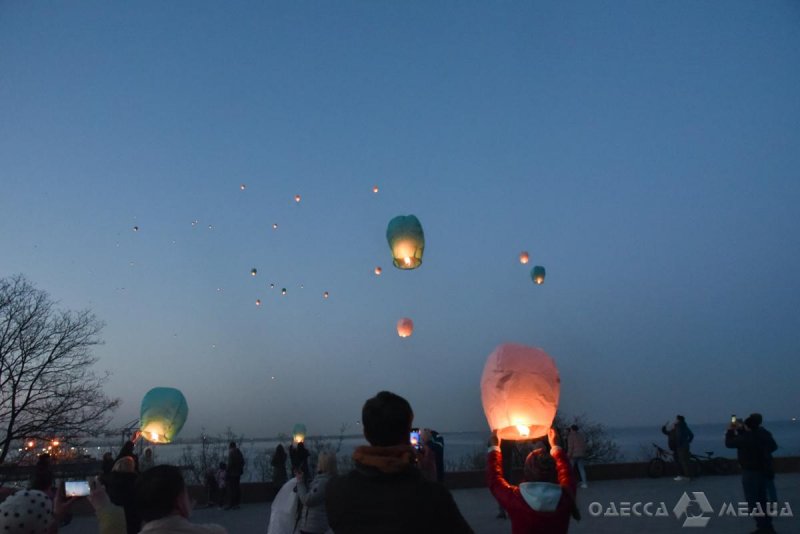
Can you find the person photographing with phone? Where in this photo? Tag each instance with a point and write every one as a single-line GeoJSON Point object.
{"type": "Point", "coordinates": [754, 447]}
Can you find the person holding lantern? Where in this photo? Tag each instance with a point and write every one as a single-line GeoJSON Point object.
{"type": "Point", "coordinates": [545, 500]}
{"type": "Point", "coordinates": [386, 492]}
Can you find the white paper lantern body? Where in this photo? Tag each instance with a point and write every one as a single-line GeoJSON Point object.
{"type": "Point", "coordinates": [519, 390]}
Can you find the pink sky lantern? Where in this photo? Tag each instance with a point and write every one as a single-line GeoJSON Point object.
{"type": "Point", "coordinates": [524, 257]}
{"type": "Point", "coordinates": [405, 327]}
{"type": "Point", "coordinates": [519, 390]}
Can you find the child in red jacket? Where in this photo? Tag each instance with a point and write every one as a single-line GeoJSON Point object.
{"type": "Point", "coordinates": [545, 501]}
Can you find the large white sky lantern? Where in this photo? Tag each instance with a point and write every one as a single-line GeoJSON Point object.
{"type": "Point", "coordinates": [519, 390]}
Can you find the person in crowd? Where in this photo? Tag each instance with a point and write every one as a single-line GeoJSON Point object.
{"type": "Point", "coordinates": [233, 476]}
{"type": "Point", "coordinates": [33, 512]}
{"type": "Point", "coordinates": [427, 455]}
{"type": "Point", "coordinates": [683, 439]}
{"type": "Point", "coordinates": [314, 519]}
{"type": "Point", "coordinates": [43, 478]}
{"type": "Point", "coordinates": [299, 458]}
{"type": "Point", "coordinates": [386, 492]}
{"type": "Point", "coordinates": [576, 451]}
{"type": "Point", "coordinates": [110, 517]}
{"type": "Point", "coordinates": [146, 461]}
{"type": "Point", "coordinates": [507, 451]}
{"type": "Point", "coordinates": [121, 491]}
{"type": "Point", "coordinates": [754, 447]}
{"type": "Point", "coordinates": [545, 501]}
{"type": "Point", "coordinates": [438, 448]}
{"type": "Point", "coordinates": [105, 467]}
{"type": "Point", "coordinates": [278, 463]}
{"type": "Point", "coordinates": [128, 449]}
{"type": "Point", "coordinates": [163, 500]}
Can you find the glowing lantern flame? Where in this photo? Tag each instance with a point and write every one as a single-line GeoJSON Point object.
{"type": "Point", "coordinates": [375, 189]}
{"type": "Point", "coordinates": [258, 302]}
{"type": "Point", "coordinates": [523, 257]}
{"type": "Point", "coordinates": [154, 435]}
{"type": "Point", "coordinates": [243, 187]}
{"type": "Point", "coordinates": [524, 431]}
{"type": "Point", "coordinates": [297, 198]}
{"type": "Point", "coordinates": [253, 272]}
{"type": "Point", "coordinates": [407, 241]}
{"type": "Point", "coordinates": [325, 295]}
{"type": "Point", "coordinates": [274, 226]}
{"type": "Point", "coordinates": [405, 327]}
{"type": "Point", "coordinates": [378, 271]}
{"type": "Point", "coordinates": [537, 274]}
{"type": "Point", "coordinates": [31, 444]}
{"type": "Point", "coordinates": [283, 291]}
{"type": "Point", "coordinates": [299, 433]}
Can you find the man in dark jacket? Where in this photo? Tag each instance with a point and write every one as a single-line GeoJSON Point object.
{"type": "Point", "coordinates": [754, 445]}
{"type": "Point", "coordinates": [386, 492]}
{"type": "Point", "coordinates": [679, 438]}
{"type": "Point", "coordinates": [233, 475]}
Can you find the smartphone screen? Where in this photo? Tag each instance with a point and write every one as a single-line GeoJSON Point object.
{"type": "Point", "coordinates": [415, 439]}
{"type": "Point", "coordinates": [733, 418]}
{"type": "Point", "coordinates": [76, 488]}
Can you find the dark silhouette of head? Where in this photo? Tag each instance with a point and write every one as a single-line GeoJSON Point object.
{"type": "Point", "coordinates": [539, 467]}
{"type": "Point", "coordinates": [574, 428]}
{"type": "Point", "coordinates": [159, 491]}
{"type": "Point", "coordinates": [387, 419]}
{"type": "Point", "coordinates": [232, 445]}
{"type": "Point", "coordinates": [754, 421]}
{"type": "Point", "coordinates": [680, 418]}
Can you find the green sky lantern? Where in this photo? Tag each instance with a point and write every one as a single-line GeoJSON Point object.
{"type": "Point", "coordinates": [163, 413]}
{"type": "Point", "coordinates": [537, 274]}
{"type": "Point", "coordinates": [406, 240]}
{"type": "Point", "coordinates": [299, 433]}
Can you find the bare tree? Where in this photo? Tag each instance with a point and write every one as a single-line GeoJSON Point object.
{"type": "Point", "coordinates": [48, 388]}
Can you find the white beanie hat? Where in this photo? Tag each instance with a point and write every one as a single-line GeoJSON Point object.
{"type": "Point", "coordinates": [26, 512]}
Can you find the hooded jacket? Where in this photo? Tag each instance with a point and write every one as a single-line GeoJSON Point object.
{"type": "Point", "coordinates": [313, 517]}
{"type": "Point", "coordinates": [386, 493]}
{"type": "Point", "coordinates": [534, 507]}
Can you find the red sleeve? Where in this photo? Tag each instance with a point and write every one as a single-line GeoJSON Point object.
{"type": "Point", "coordinates": [566, 476]}
{"type": "Point", "coordinates": [499, 486]}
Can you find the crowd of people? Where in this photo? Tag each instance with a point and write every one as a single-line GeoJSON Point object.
{"type": "Point", "coordinates": [394, 486]}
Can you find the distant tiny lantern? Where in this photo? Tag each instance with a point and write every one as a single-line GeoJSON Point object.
{"type": "Point", "coordinates": [537, 274]}
{"type": "Point", "coordinates": [274, 226]}
{"type": "Point", "coordinates": [297, 198]}
{"type": "Point", "coordinates": [405, 327]}
{"type": "Point", "coordinates": [325, 295]}
{"type": "Point", "coordinates": [135, 228]}
{"type": "Point", "coordinates": [406, 240]}
{"type": "Point", "coordinates": [163, 413]}
{"type": "Point", "coordinates": [299, 433]}
{"type": "Point", "coordinates": [272, 286]}
{"type": "Point", "coordinates": [378, 271]}
{"type": "Point", "coordinates": [374, 188]}
{"type": "Point", "coordinates": [242, 187]}
{"type": "Point", "coordinates": [519, 390]}
{"type": "Point", "coordinates": [523, 257]}
{"type": "Point", "coordinates": [258, 302]}
{"type": "Point", "coordinates": [283, 291]}
{"type": "Point", "coordinates": [253, 271]}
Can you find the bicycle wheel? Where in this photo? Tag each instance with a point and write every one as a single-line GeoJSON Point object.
{"type": "Point", "coordinates": [722, 466]}
{"type": "Point", "coordinates": [656, 468]}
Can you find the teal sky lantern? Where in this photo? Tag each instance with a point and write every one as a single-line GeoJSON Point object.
{"type": "Point", "coordinates": [299, 433]}
{"type": "Point", "coordinates": [164, 411]}
{"type": "Point", "coordinates": [537, 274]}
{"type": "Point", "coordinates": [406, 240]}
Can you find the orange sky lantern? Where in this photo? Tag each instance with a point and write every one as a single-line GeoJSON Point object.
{"type": "Point", "coordinates": [405, 327]}
{"type": "Point", "coordinates": [520, 387]}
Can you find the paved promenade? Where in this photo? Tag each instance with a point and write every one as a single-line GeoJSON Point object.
{"type": "Point", "coordinates": [479, 508]}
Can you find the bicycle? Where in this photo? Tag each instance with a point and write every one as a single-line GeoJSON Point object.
{"type": "Point", "coordinates": [707, 463]}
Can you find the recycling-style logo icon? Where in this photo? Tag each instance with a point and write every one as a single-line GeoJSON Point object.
{"type": "Point", "coordinates": [690, 506]}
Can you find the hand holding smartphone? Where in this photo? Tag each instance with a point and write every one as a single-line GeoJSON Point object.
{"type": "Point", "coordinates": [76, 488]}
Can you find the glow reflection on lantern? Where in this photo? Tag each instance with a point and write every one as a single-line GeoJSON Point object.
{"type": "Point", "coordinates": [537, 274]}
{"type": "Point", "coordinates": [405, 327]}
{"type": "Point", "coordinates": [523, 257]}
{"type": "Point", "coordinates": [299, 433]}
{"type": "Point", "coordinates": [520, 388]}
{"type": "Point", "coordinates": [407, 241]}
{"type": "Point", "coordinates": [163, 413]}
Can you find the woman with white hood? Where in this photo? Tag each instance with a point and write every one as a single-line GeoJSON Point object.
{"type": "Point", "coordinates": [545, 500]}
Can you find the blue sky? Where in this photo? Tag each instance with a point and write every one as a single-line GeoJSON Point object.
{"type": "Point", "coordinates": [646, 153]}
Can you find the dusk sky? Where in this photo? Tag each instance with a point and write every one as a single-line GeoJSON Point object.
{"type": "Point", "coordinates": [646, 153]}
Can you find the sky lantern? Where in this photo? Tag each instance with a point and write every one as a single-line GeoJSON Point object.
{"type": "Point", "coordinates": [242, 187]}
{"type": "Point", "coordinates": [299, 433]}
{"type": "Point", "coordinates": [537, 274]}
{"type": "Point", "coordinates": [258, 302]}
{"type": "Point", "coordinates": [378, 271]}
{"type": "Point", "coordinates": [374, 188]}
{"type": "Point", "coordinates": [325, 295]}
{"type": "Point", "coordinates": [135, 228]}
{"type": "Point", "coordinates": [405, 327]}
{"type": "Point", "coordinates": [297, 198]}
{"type": "Point", "coordinates": [406, 240]}
{"type": "Point", "coordinates": [523, 257]}
{"type": "Point", "coordinates": [164, 411]}
{"type": "Point", "coordinates": [253, 271]}
{"type": "Point", "coordinates": [283, 291]}
{"type": "Point", "coordinates": [519, 391]}
{"type": "Point", "coordinates": [274, 226]}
